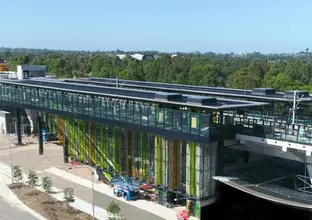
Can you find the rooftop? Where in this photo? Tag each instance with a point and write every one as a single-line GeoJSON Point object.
{"type": "Point", "coordinates": [177, 98]}
{"type": "Point", "coordinates": [268, 94]}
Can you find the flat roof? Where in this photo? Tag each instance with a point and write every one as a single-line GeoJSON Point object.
{"type": "Point", "coordinates": [268, 94]}
{"type": "Point", "coordinates": [131, 94]}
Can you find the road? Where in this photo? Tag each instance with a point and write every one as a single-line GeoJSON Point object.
{"type": "Point", "coordinates": [9, 212]}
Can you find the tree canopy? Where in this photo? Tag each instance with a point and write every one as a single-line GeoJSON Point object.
{"type": "Point", "coordinates": [280, 71]}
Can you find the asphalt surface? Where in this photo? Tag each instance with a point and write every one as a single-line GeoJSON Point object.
{"type": "Point", "coordinates": [9, 212]}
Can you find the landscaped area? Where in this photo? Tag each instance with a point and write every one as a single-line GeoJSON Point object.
{"type": "Point", "coordinates": [39, 196]}
{"type": "Point", "coordinates": [44, 204]}
{"type": "Point", "coordinates": [42, 201]}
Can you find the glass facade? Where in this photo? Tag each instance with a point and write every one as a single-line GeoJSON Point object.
{"type": "Point", "coordinates": [272, 126]}
{"type": "Point", "coordinates": [138, 113]}
{"type": "Point", "coordinates": [176, 165]}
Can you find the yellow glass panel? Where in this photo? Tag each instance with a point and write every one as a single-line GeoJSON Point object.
{"type": "Point", "coordinates": [160, 116]}
{"type": "Point", "coordinates": [194, 122]}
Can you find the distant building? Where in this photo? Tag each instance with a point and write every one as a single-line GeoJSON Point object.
{"type": "Point", "coordinates": [138, 56]}
{"type": "Point", "coordinates": [29, 71]}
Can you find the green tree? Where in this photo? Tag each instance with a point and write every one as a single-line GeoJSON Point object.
{"type": "Point", "coordinates": [47, 184]}
{"type": "Point", "coordinates": [17, 174]}
{"type": "Point", "coordinates": [243, 79]}
{"type": "Point", "coordinates": [69, 197]}
{"type": "Point", "coordinates": [32, 178]}
{"type": "Point", "coordinates": [210, 69]}
{"type": "Point", "coordinates": [114, 211]}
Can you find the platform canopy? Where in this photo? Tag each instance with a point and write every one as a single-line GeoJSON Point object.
{"type": "Point", "coordinates": [157, 97]}
{"type": "Point", "coordinates": [268, 94]}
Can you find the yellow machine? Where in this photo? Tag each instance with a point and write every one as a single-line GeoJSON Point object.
{"type": "Point", "coordinates": [4, 67]}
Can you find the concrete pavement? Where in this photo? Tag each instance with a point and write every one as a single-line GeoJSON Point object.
{"type": "Point", "coordinates": [11, 212]}
{"type": "Point", "coordinates": [83, 197]}
{"type": "Point", "coordinates": [28, 158]}
{"type": "Point", "coordinates": [79, 204]}
{"type": "Point", "coordinates": [160, 212]}
{"type": "Point", "coordinates": [102, 200]}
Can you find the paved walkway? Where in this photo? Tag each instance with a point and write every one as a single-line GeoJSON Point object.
{"type": "Point", "coordinates": [52, 164]}
{"type": "Point", "coordinates": [80, 204]}
{"type": "Point", "coordinates": [139, 209]}
{"type": "Point", "coordinates": [10, 212]}
{"type": "Point", "coordinates": [100, 199]}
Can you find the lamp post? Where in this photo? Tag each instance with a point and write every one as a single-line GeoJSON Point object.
{"type": "Point", "coordinates": [11, 158]}
{"type": "Point", "coordinates": [9, 140]}
{"type": "Point", "coordinates": [92, 173]}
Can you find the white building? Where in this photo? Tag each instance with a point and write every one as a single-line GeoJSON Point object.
{"type": "Point", "coordinates": [8, 121]}
{"type": "Point", "coordinates": [137, 56]}
{"type": "Point", "coordinates": [29, 71]}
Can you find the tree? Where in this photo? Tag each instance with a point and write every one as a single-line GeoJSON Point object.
{"type": "Point", "coordinates": [113, 210]}
{"type": "Point", "coordinates": [244, 79]}
{"type": "Point", "coordinates": [210, 69]}
{"type": "Point", "coordinates": [17, 174]}
{"type": "Point", "coordinates": [47, 184]}
{"type": "Point", "coordinates": [32, 178]}
{"type": "Point", "coordinates": [69, 197]}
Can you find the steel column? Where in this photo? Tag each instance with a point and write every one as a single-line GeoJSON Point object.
{"type": "Point", "coordinates": [18, 126]}
{"type": "Point", "coordinates": [129, 152]}
{"type": "Point", "coordinates": [92, 143]}
{"type": "Point", "coordinates": [175, 145]}
{"type": "Point", "coordinates": [39, 120]}
{"type": "Point", "coordinates": [65, 149]}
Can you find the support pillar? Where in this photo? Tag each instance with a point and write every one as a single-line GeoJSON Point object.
{"type": "Point", "coordinates": [175, 170]}
{"type": "Point", "coordinates": [116, 159]}
{"type": "Point", "coordinates": [92, 142]}
{"type": "Point", "coordinates": [65, 150]}
{"type": "Point", "coordinates": [129, 152]}
{"type": "Point", "coordinates": [220, 151]}
{"type": "Point", "coordinates": [246, 156]}
{"type": "Point", "coordinates": [39, 119]}
{"type": "Point", "coordinates": [220, 158]}
{"type": "Point", "coordinates": [18, 126]}
{"type": "Point", "coordinates": [158, 161]}
{"type": "Point", "coordinates": [60, 130]}
{"type": "Point", "coordinates": [199, 169]}
{"type": "Point", "coordinates": [190, 168]}
{"type": "Point", "coordinates": [164, 161]}
{"type": "Point", "coordinates": [144, 141]}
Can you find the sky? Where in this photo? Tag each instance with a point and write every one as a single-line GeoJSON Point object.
{"type": "Point", "coordinates": [266, 26]}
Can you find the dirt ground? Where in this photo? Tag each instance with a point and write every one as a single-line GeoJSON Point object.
{"type": "Point", "coordinates": [46, 205]}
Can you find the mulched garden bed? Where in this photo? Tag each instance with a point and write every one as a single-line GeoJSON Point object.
{"type": "Point", "coordinates": [46, 205]}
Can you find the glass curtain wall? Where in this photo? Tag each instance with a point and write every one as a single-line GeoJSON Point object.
{"type": "Point", "coordinates": [174, 164]}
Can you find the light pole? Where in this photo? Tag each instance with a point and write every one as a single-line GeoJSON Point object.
{"type": "Point", "coordinates": [295, 104]}
{"type": "Point", "coordinates": [9, 140]}
{"type": "Point", "coordinates": [92, 173]}
{"type": "Point", "coordinates": [11, 158]}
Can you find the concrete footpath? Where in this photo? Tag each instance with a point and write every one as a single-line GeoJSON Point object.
{"type": "Point", "coordinates": [11, 198]}
{"type": "Point", "coordinates": [159, 211]}
{"type": "Point", "coordinates": [79, 178]}
{"type": "Point", "coordinates": [5, 173]}
{"type": "Point", "coordinates": [9, 211]}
